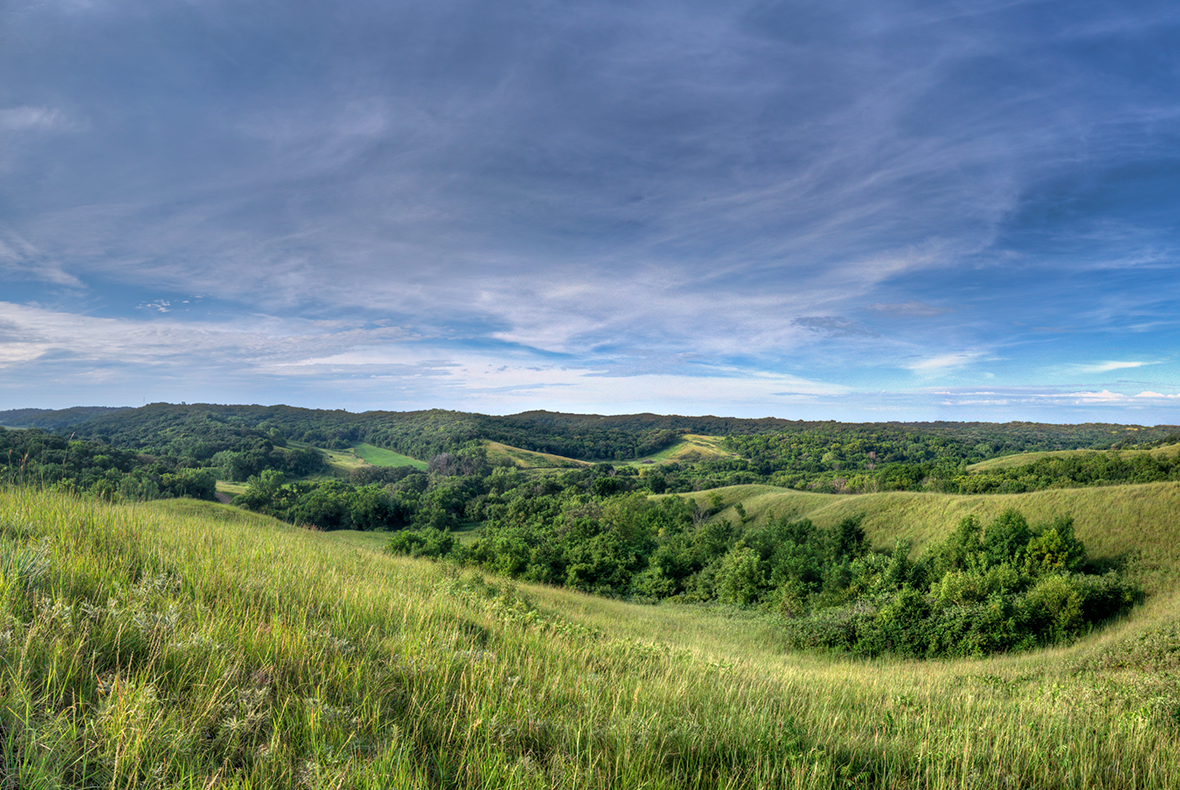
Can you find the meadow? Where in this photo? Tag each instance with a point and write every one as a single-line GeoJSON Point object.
{"type": "Point", "coordinates": [379, 456]}
{"type": "Point", "coordinates": [184, 644]}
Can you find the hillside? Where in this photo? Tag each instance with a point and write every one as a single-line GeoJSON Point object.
{"type": "Point", "coordinates": [185, 644]}
{"type": "Point", "coordinates": [52, 419]}
{"type": "Point", "coordinates": [1026, 459]}
{"type": "Point", "coordinates": [499, 453]}
{"type": "Point", "coordinates": [690, 448]}
{"type": "Point", "coordinates": [1132, 524]}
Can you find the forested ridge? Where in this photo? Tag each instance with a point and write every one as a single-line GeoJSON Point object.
{"type": "Point", "coordinates": [236, 443]}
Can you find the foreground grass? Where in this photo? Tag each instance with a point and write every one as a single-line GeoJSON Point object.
{"type": "Point", "coordinates": [191, 645]}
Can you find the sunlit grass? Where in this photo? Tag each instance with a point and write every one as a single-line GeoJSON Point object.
{"type": "Point", "coordinates": [379, 456]}
{"type": "Point", "coordinates": [499, 453]}
{"type": "Point", "coordinates": [689, 448]}
{"type": "Point", "coordinates": [1023, 459]}
{"type": "Point", "coordinates": [183, 644]}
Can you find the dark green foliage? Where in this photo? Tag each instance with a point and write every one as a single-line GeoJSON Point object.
{"type": "Point", "coordinates": [1004, 587]}
{"type": "Point", "coordinates": [821, 456]}
{"type": "Point", "coordinates": [52, 419]}
{"type": "Point", "coordinates": [1073, 470]}
{"type": "Point", "coordinates": [31, 457]}
{"type": "Point", "coordinates": [432, 543]}
{"type": "Point", "coordinates": [328, 505]}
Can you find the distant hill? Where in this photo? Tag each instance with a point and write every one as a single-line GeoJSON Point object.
{"type": "Point", "coordinates": [52, 419]}
{"type": "Point", "coordinates": [1026, 459]}
{"type": "Point", "coordinates": [586, 437]}
{"type": "Point", "coordinates": [664, 453]}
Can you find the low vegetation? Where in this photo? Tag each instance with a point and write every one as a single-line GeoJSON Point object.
{"type": "Point", "coordinates": [186, 644]}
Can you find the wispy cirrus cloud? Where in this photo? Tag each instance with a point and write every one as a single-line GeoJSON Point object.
{"type": "Point", "coordinates": [31, 119]}
{"type": "Point", "coordinates": [912, 308]}
{"type": "Point", "coordinates": [1110, 365]}
{"type": "Point", "coordinates": [941, 362]}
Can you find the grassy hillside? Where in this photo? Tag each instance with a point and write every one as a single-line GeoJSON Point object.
{"type": "Point", "coordinates": [690, 448]}
{"type": "Point", "coordinates": [381, 457]}
{"type": "Point", "coordinates": [186, 644]}
{"type": "Point", "coordinates": [1024, 459]}
{"type": "Point", "coordinates": [527, 459]}
{"type": "Point", "coordinates": [1134, 524]}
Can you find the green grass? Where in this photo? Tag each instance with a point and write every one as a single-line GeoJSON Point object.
{"type": "Point", "coordinates": [1131, 524]}
{"type": "Point", "coordinates": [380, 457]}
{"type": "Point", "coordinates": [466, 534]}
{"type": "Point", "coordinates": [528, 459]}
{"type": "Point", "coordinates": [342, 462]}
{"type": "Point", "coordinates": [1023, 459]}
{"type": "Point", "coordinates": [230, 488]}
{"type": "Point", "coordinates": [188, 645]}
{"type": "Point", "coordinates": [689, 448]}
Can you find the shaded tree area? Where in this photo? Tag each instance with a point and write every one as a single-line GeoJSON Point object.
{"type": "Point", "coordinates": [1072, 471]}
{"type": "Point", "coordinates": [377, 498]}
{"type": "Point", "coordinates": [32, 457]}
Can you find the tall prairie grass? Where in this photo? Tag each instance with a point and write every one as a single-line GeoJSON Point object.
{"type": "Point", "coordinates": [188, 645]}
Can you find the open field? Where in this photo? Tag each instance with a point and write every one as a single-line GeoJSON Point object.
{"type": "Point", "coordinates": [187, 644]}
{"type": "Point", "coordinates": [231, 488]}
{"type": "Point", "coordinates": [342, 462]}
{"type": "Point", "coordinates": [381, 457]}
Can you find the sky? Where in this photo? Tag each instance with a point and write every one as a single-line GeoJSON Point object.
{"type": "Point", "coordinates": [860, 210]}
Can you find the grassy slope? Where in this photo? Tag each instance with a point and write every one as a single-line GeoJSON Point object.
{"type": "Point", "coordinates": [1023, 459]}
{"type": "Point", "coordinates": [185, 644]}
{"type": "Point", "coordinates": [527, 459]}
{"type": "Point", "coordinates": [1134, 523]}
{"type": "Point", "coordinates": [381, 457]}
{"type": "Point", "coordinates": [689, 448]}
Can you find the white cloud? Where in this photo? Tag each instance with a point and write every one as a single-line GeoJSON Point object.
{"type": "Point", "coordinates": [941, 362]}
{"type": "Point", "coordinates": [1106, 367]}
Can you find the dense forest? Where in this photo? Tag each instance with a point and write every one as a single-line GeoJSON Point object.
{"type": "Point", "coordinates": [32, 457]}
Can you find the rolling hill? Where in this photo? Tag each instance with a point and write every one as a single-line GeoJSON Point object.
{"type": "Point", "coordinates": [187, 644]}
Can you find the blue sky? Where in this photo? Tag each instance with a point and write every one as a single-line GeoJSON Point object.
{"type": "Point", "coordinates": [849, 210]}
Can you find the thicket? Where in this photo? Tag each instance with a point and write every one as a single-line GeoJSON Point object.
{"type": "Point", "coordinates": [1074, 470]}
{"type": "Point", "coordinates": [1010, 586]}
{"type": "Point", "coordinates": [377, 498]}
{"type": "Point", "coordinates": [32, 457]}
